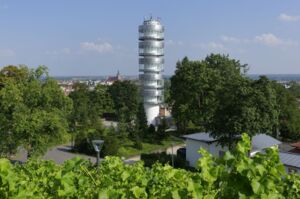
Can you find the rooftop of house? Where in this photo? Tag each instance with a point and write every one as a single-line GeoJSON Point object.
{"type": "Point", "coordinates": [296, 145]}
{"type": "Point", "coordinates": [202, 136]}
{"type": "Point", "coordinates": [262, 141]}
{"type": "Point", "coordinates": [259, 141]}
{"type": "Point", "coordinates": [290, 159]}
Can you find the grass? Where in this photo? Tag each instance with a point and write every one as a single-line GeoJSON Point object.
{"type": "Point", "coordinates": [129, 150]}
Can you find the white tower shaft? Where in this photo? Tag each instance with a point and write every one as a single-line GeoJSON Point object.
{"type": "Point", "coordinates": [151, 64]}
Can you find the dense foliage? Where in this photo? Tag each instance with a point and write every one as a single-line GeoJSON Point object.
{"type": "Point", "coordinates": [121, 99]}
{"type": "Point", "coordinates": [215, 95]}
{"type": "Point", "coordinates": [33, 110]}
{"type": "Point", "coordinates": [294, 87]}
{"type": "Point", "coordinates": [234, 176]}
{"type": "Point", "coordinates": [150, 159]}
{"type": "Point", "coordinates": [289, 112]}
{"type": "Point", "coordinates": [85, 119]}
{"type": "Point", "coordinates": [125, 96]}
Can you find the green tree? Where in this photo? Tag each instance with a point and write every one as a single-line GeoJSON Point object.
{"type": "Point", "coordinates": [294, 87]}
{"type": "Point", "coordinates": [33, 110]}
{"type": "Point", "coordinates": [192, 92]}
{"type": "Point", "coordinates": [151, 133]}
{"type": "Point", "coordinates": [161, 130]}
{"type": "Point", "coordinates": [125, 98]}
{"type": "Point", "coordinates": [14, 73]}
{"type": "Point", "coordinates": [123, 128]}
{"type": "Point", "coordinates": [167, 86]}
{"type": "Point", "coordinates": [246, 105]}
{"type": "Point", "coordinates": [141, 121]}
{"type": "Point", "coordinates": [195, 86]}
{"type": "Point", "coordinates": [215, 95]}
{"type": "Point", "coordinates": [11, 104]}
{"type": "Point", "coordinates": [111, 143]}
{"type": "Point", "coordinates": [85, 120]}
{"type": "Point", "coordinates": [289, 113]}
{"type": "Point", "coordinates": [80, 97]}
{"type": "Point", "coordinates": [80, 117]}
{"type": "Point", "coordinates": [101, 100]}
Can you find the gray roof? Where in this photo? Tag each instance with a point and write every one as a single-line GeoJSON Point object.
{"type": "Point", "coordinates": [290, 159]}
{"type": "Point", "coordinates": [259, 141]}
{"type": "Point", "coordinates": [204, 137]}
{"type": "Point", "coordinates": [262, 141]}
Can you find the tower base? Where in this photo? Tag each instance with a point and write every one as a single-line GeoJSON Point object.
{"type": "Point", "coordinates": [152, 111]}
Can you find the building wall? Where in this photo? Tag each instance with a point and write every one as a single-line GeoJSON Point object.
{"type": "Point", "coordinates": [216, 148]}
{"type": "Point", "coordinates": [290, 169]}
{"type": "Point", "coordinates": [152, 112]}
{"type": "Point", "coordinates": [193, 146]}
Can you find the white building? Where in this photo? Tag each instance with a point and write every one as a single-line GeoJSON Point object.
{"type": "Point", "coordinates": [291, 162]}
{"type": "Point", "coordinates": [203, 140]}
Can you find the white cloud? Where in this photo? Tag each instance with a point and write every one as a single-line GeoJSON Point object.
{"type": "Point", "coordinates": [64, 51]}
{"type": "Point", "coordinates": [99, 46]}
{"type": "Point", "coordinates": [229, 39]}
{"type": "Point", "coordinates": [7, 53]}
{"type": "Point", "coordinates": [288, 18]}
{"type": "Point", "coordinates": [270, 39]}
{"type": "Point", "coordinates": [267, 39]}
{"type": "Point", "coordinates": [225, 43]}
{"type": "Point", "coordinates": [213, 46]}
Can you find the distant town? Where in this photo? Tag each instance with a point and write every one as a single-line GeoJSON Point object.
{"type": "Point", "coordinates": [66, 82]}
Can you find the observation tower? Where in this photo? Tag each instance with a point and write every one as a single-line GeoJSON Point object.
{"type": "Point", "coordinates": [151, 66]}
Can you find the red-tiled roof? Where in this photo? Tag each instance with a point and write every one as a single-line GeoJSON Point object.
{"type": "Point", "coordinates": [297, 145]}
{"type": "Point", "coordinates": [295, 151]}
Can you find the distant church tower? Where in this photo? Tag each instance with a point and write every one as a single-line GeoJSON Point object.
{"type": "Point", "coordinates": [151, 65]}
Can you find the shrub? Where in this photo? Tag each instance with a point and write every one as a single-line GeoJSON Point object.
{"type": "Point", "coordinates": [235, 175]}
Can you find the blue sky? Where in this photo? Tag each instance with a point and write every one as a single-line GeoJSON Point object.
{"type": "Point", "coordinates": [93, 37]}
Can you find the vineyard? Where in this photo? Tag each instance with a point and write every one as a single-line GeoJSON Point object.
{"type": "Point", "coordinates": [233, 176]}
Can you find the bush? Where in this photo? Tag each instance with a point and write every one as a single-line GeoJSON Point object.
{"type": "Point", "coordinates": [163, 158]}
{"type": "Point", "coordinates": [84, 145]}
{"type": "Point", "coordinates": [138, 143]}
{"type": "Point", "coordinates": [111, 146]}
{"type": "Point", "coordinates": [235, 175]}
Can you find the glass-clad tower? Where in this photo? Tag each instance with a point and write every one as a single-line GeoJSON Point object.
{"type": "Point", "coordinates": [151, 65]}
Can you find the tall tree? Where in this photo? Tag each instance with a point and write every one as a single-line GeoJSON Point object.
{"type": "Point", "coordinates": [214, 94]}
{"type": "Point", "coordinates": [195, 85]}
{"type": "Point", "coordinates": [81, 102]}
{"type": "Point", "coordinates": [141, 121]}
{"type": "Point", "coordinates": [85, 120]}
{"type": "Point", "coordinates": [294, 87]}
{"type": "Point", "coordinates": [249, 106]}
{"type": "Point", "coordinates": [125, 97]}
{"type": "Point", "coordinates": [14, 73]}
{"type": "Point", "coordinates": [33, 110]}
{"type": "Point", "coordinates": [101, 100]}
{"type": "Point", "coordinates": [289, 113]}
